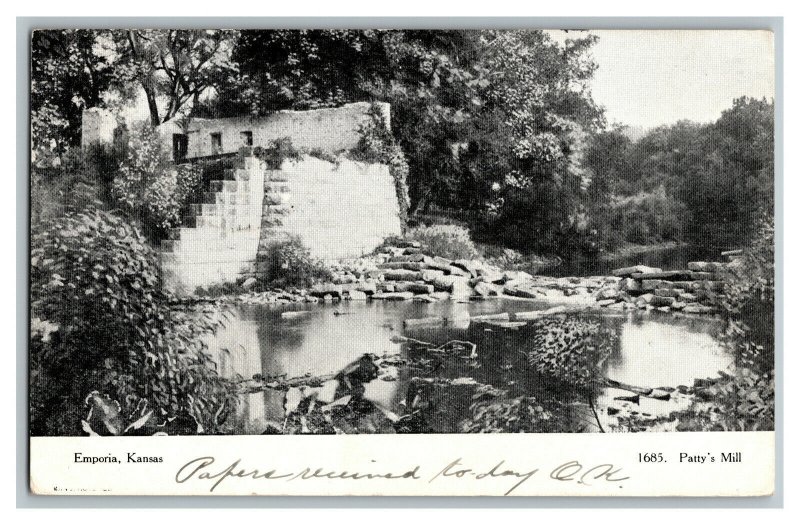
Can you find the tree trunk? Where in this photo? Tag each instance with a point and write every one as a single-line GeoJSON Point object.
{"type": "Point", "coordinates": [147, 79]}
{"type": "Point", "coordinates": [151, 103]}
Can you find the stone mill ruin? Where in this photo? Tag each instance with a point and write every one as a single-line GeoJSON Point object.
{"type": "Point", "coordinates": [338, 209]}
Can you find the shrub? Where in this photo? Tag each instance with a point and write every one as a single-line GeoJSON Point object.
{"type": "Point", "coordinates": [289, 263]}
{"type": "Point", "coordinates": [448, 241]}
{"type": "Point", "coordinates": [53, 196]}
{"type": "Point", "coordinates": [150, 188]}
{"type": "Point", "coordinates": [571, 349]}
{"type": "Point", "coordinates": [96, 285]}
{"type": "Point", "coordinates": [324, 155]}
{"type": "Point", "coordinates": [278, 151]}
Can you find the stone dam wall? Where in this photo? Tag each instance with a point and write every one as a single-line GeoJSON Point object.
{"type": "Point", "coordinates": [338, 210]}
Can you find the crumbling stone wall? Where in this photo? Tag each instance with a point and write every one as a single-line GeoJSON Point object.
{"type": "Point", "coordinates": [330, 130]}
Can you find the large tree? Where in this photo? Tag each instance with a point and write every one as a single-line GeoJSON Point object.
{"type": "Point", "coordinates": [469, 108]}
{"type": "Point", "coordinates": [732, 186]}
{"type": "Point", "coordinates": [177, 66]}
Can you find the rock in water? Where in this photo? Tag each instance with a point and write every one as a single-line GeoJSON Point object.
{"type": "Point", "coordinates": [440, 263]}
{"type": "Point", "coordinates": [393, 296]}
{"type": "Point", "coordinates": [522, 289]}
{"type": "Point", "coordinates": [512, 275]}
{"type": "Point", "coordinates": [653, 284]}
{"type": "Point", "coordinates": [486, 290]}
{"type": "Point", "coordinates": [468, 265]}
{"type": "Point", "coordinates": [677, 275]}
{"type": "Point", "coordinates": [356, 295]}
{"type": "Point", "coordinates": [431, 275]}
{"type": "Point", "coordinates": [659, 300]}
{"type": "Point", "coordinates": [699, 309]}
{"type": "Point", "coordinates": [402, 275]}
{"type": "Point", "coordinates": [461, 288]}
{"type": "Point", "coordinates": [321, 290]}
{"type": "Point", "coordinates": [630, 270]}
{"type": "Point", "coordinates": [698, 266]}
{"type": "Point", "coordinates": [490, 275]}
{"type": "Point", "coordinates": [630, 285]}
{"type": "Point", "coordinates": [368, 287]}
{"type": "Point", "coordinates": [608, 293]}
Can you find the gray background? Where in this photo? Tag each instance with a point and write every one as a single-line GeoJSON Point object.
{"type": "Point", "coordinates": [24, 26]}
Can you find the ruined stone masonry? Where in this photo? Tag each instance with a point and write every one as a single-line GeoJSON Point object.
{"type": "Point", "coordinates": [338, 209]}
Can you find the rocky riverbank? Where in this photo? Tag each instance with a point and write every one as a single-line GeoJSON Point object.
{"type": "Point", "coordinates": [405, 272]}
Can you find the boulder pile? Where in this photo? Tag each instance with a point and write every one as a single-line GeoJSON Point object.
{"type": "Point", "coordinates": [404, 272]}
{"type": "Point", "coordinates": [696, 290]}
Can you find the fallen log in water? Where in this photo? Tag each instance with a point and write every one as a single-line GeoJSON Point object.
{"type": "Point", "coordinates": [491, 317]}
{"type": "Point", "coordinates": [424, 321]}
{"type": "Point", "coordinates": [295, 314]}
{"type": "Point", "coordinates": [653, 393]}
{"type": "Point", "coordinates": [536, 314]}
{"type": "Point", "coordinates": [630, 388]}
{"type": "Point", "coordinates": [441, 348]}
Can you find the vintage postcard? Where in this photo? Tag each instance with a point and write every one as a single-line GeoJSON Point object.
{"type": "Point", "coordinates": [402, 262]}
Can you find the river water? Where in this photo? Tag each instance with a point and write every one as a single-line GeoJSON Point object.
{"type": "Point", "coordinates": [653, 349]}
{"type": "Point", "coordinates": [671, 258]}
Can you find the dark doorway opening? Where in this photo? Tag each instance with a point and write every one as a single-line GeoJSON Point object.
{"type": "Point", "coordinates": [180, 147]}
{"type": "Point", "coordinates": [216, 143]}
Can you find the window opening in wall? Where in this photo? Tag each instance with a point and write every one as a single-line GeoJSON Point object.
{"type": "Point", "coordinates": [247, 138]}
{"type": "Point", "coordinates": [216, 143]}
{"type": "Point", "coordinates": [180, 146]}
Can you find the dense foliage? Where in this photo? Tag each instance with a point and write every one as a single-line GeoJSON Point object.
{"type": "Point", "coordinates": [704, 184]}
{"type": "Point", "coordinates": [276, 152]}
{"type": "Point", "coordinates": [103, 323]}
{"type": "Point", "coordinates": [571, 349]}
{"type": "Point", "coordinates": [487, 120]}
{"type": "Point", "coordinates": [742, 401]}
{"type": "Point", "coordinates": [498, 123]}
{"type": "Point", "coordinates": [150, 188]}
{"type": "Point", "coordinates": [68, 75]}
{"type": "Point", "coordinates": [749, 301]}
{"type": "Point", "coordinates": [376, 144]}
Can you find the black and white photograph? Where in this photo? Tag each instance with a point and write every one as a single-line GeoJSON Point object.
{"type": "Point", "coordinates": [401, 231]}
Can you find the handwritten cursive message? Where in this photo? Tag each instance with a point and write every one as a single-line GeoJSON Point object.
{"type": "Point", "coordinates": [206, 469]}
